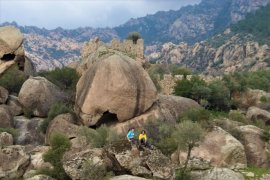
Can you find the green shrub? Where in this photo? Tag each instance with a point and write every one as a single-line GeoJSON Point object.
{"type": "Point", "coordinates": [65, 78]}
{"type": "Point", "coordinates": [265, 99]}
{"type": "Point", "coordinates": [100, 137]}
{"type": "Point", "coordinates": [236, 115]}
{"type": "Point", "coordinates": [160, 135]}
{"type": "Point", "coordinates": [55, 109]}
{"type": "Point", "coordinates": [266, 135]}
{"type": "Point", "coordinates": [182, 71]}
{"type": "Point", "coordinates": [59, 145]}
{"type": "Point", "coordinates": [11, 131]}
{"type": "Point", "coordinates": [180, 175]}
{"type": "Point", "coordinates": [13, 79]}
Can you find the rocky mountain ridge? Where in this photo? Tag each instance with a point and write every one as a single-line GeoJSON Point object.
{"type": "Point", "coordinates": [58, 47]}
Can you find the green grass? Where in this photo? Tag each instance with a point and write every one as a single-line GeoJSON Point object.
{"type": "Point", "coordinates": [259, 172]}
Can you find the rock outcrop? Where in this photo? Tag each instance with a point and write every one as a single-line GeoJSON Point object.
{"type": "Point", "coordinates": [221, 149]}
{"type": "Point", "coordinates": [38, 94]}
{"type": "Point", "coordinates": [218, 173]}
{"type": "Point", "coordinates": [255, 147]}
{"type": "Point", "coordinates": [14, 105]}
{"type": "Point", "coordinates": [13, 161]}
{"type": "Point", "coordinates": [255, 114]}
{"type": "Point", "coordinates": [64, 124]}
{"type": "Point", "coordinates": [115, 85]}
{"type": "Point", "coordinates": [166, 108]}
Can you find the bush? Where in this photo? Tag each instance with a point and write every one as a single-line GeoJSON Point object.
{"type": "Point", "coordinates": [181, 71]}
{"type": "Point", "coordinates": [238, 116]}
{"type": "Point", "coordinates": [187, 136]}
{"type": "Point", "coordinates": [13, 79]}
{"type": "Point", "coordinates": [55, 109]}
{"type": "Point", "coordinates": [160, 135]}
{"type": "Point", "coordinates": [100, 137]}
{"type": "Point", "coordinates": [134, 36]}
{"type": "Point", "coordinates": [179, 175]}
{"type": "Point", "coordinates": [266, 135]}
{"type": "Point", "coordinates": [59, 145]}
{"type": "Point", "coordinates": [65, 78]}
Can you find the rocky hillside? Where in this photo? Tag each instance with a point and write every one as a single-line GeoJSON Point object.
{"type": "Point", "coordinates": [243, 47]}
{"type": "Point", "coordinates": [57, 47]}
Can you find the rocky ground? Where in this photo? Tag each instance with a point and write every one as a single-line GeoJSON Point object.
{"type": "Point", "coordinates": [116, 90]}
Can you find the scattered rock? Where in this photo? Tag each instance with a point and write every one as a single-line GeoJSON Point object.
{"type": "Point", "coordinates": [127, 177]}
{"type": "Point", "coordinates": [5, 117]}
{"type": "Point", "coordinates": [40, 177]}
{"type": "Point", "coordinates": [38, 94]}
{"type": "Point", "coordinates": [64, 124]}
{"type": "Point", "coordinates": [28, 131]}
{"type": "Point", "coordinates": [255, 114]}
{"type": "Point", "coordinates": [3, 95]}
{"type": "Point", "coordinates": [218, 173]}
{"type": "Point", "coordinates": [13, 161]}
{"type": "Point", "coordinates": [221, 149]}
{"type": "Point", "coordinates": [116, 85]}
{"type": "Point", "coordinates": [255, 147]}
{"type": "Point", "coordinates": [14, 105]}
{"type": "Point", "coordinates": [6, 139]}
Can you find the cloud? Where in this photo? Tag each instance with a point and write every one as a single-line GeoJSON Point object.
{"type": "Point", "coordinates": [79, 13]}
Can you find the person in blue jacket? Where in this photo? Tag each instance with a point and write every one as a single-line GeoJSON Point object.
{"type": "Point", "coordinates": [131, 135]}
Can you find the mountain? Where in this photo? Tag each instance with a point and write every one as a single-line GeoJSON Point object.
{"type": "Point", "coordinates": [243, 47]}
{"type": "Point", "coordinates": [191, 24]}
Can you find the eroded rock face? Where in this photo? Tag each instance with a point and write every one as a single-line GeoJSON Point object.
{"type": "Point", "coordinates": [116, 84]}
{"type": "Point", "coordinates": [3, 95]}
{"type": "Point", "coordinates": [14, 105]}
{"type": "Point", "coordinates": [255, 147]}
{"type": "Point", "coordinates": [13, 161]}
{"type": "Point", "coordinates": [221, 149]}
{"type": "Point", "coordinates": [64, 124]}
{"type": "Point", "coordinates": [38, 94]}
{"type": "Point", "coordinates": [255, 113]}
{"type": "Point", "coordinates": [28, 131]}
{"type": "Point", "coordinates": [5, 117]}
{"type": "Point", "coordinates": [6, 139]}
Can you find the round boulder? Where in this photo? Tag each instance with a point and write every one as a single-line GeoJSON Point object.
{"type": "Point", "coordinates": [5, 117]}
{"type": "Point", "coordinates": [116, 85]}
{"type": "Point", "coordinates": [38, 94]}
{"type": "Point", "coordinates": [3, 95]}
{"type": "Point", "coordinates": [6, 139]}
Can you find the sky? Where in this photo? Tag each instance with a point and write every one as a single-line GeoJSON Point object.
{"type": "Point", "coordinates": [81, 13]}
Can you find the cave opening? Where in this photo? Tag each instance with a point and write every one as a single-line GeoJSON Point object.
{"type": "Point", "coordinates": [8, 57]}
{"type": "Point", "coordinates": [107, 118]}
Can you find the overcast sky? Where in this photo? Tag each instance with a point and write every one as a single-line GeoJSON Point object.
{"type": "Point", "coordinates": [80, 13]}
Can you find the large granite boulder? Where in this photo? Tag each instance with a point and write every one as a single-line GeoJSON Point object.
{"type": "Point", "coordinates": [63, 124]}
{"type": "Point", "coordinates": [167, 108]}
{"type": "Point", "coordinates": [28, 131]}
{"type": "Point", "coordinates": [5, 117]}
{"type": "Point", "coordinates": [255, 147]}
{"type": "Point", "coordinates": [14, 105]}
{"type": "Point", "coordinates": [11, 50]}
{"type": "Point", "coordinates": [116, 85]}
{"type": "Point", "coordinates": [255, 114]}
{"type": "Point", "coordinates": [3, 95]}
{"type": "Point", "coordinates": [221, 149]}
{"type": "Point", "coordinates": [38, 94]}
{"type": "Point", "coordinates": [13, 161]}
{"type": "Point", "coordinates": [6, 139]}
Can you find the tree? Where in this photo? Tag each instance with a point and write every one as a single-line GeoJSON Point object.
{"type": "Point", "coordinates": [134, 36]}
{"type": "Point", "coordinates": [187, 136]}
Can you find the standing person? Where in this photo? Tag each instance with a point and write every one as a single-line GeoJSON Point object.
{"type": "Point", "coordinates": [143, 139]}
{"type": "Point", "coordinates": [131, 135]}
